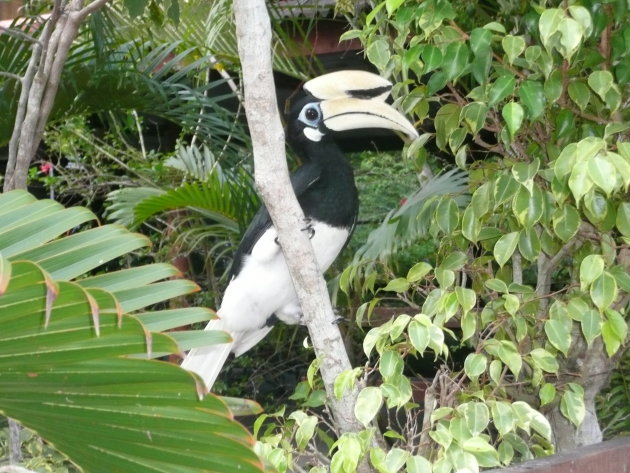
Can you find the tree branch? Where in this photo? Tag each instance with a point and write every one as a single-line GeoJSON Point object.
{"type": "Point", "coordinates": [272, 178]}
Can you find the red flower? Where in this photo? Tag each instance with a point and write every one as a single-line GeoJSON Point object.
{"type": "Point", "coordinates": [46, 167]}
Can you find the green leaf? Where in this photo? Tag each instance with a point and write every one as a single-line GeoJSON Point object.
{"type": "Point", "coordinates": [601, 82]}
{"type": "Point", "coordinates": [513, 47]}
{"type": "Point", "coordinates": [480, 41]}
{"type": "Point", "coordinates": [572, 407]}
{"type": "Point", "coordinates": [547, 394]}
{"type": "Point", "coordinates": [591, 324]}
{"type": "Point", "coordinates": [446, 120]}
{"type": "Point", "coordinates": [474, 115]}
{"type": "Point", "coordinates": [474, 365]}
{"type": "Point", "coordinates": [345, 381]}
{"type": "Point", "coordinates": [390, 364]}
{"type": "Point", "coordinates": [378, 53]}
{"type": "Point", "coordinates": [397, 285]}
{"type": "Point", "coordinates": [508, 354]}
{"type": "Point", "coordinates": [566, 222]}
{"type": "Point", "coordinates": [580, 94]}
{"type": "Point", "coordinates": [571, 37]}
{"type": "Point", "coordinates": [369, 401]}
{"type": "Point", "coordinates": [604, 290]}
{"type": "Point", "coordinates": [476, 415]}
{"type": "Point", "coordinates": [549, 24]}
{"type": "Point", "coordinates": [454, 261]}
{"type": "Point", "coordinates": [418, 271]}
{"type": "Point", "coordinates": [496, 285]}
{"type": "Point", "coordinates": [602, 173]}
{"type": "Point", "coordinates": [418, 464]}
{"type": "Point", "coordinates": [504, 247]}
{"type": "Point", "coordinates": [513, 115]}
{"type": "Point", "coordinates": [591, 268]}
{"type": "Point", "coordinates": [503, 417]}
{"type": "Point", "coordinates": [553, 88]}
{"type": "Point", "coordinates": [432, 57]}
{"type": "Point", "coordinates": [467, 298]}
{"type": "Point", "coordinates": [545, 360]}
{"type": "Point", "coordinates": [532, 97]}
{"type": "Point", "coordinates": [559, 335]}
{"type": "Point", "coordinates": [623, 219]}
{"type": "Point", "coordinates": [529, 244]}
{"type": "Point", "coordinates": [419, 336]}
{"type": "Point", "coordinates": [477, 445]}
{"type": "Point", "coordinates": [528, 206]}
{"type": "Point", "coordinates": [447, 215]}
{"type": "Point", "coordinates": [455, 60]}
{"type": "Point", "coordinates": [500, 89]}
{"type": "Point", "coordinates": [579, 181]}
{"type": "Point", "coordinates": [392, 5]}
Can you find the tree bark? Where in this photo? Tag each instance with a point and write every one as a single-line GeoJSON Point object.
{"type": "Point", "coordinates": [40, 84]}
{"type": "Point", "coordinates": [272, 179]}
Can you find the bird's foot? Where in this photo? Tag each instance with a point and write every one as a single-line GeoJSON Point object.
{"type": "Point", "coordinates": [309, 228]}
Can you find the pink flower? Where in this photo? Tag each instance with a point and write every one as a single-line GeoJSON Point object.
{"type": "Point", "coordinates": [46, 167]}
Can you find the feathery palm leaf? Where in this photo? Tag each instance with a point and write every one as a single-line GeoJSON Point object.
{"type": "Point", "coordinates": [69, 350]}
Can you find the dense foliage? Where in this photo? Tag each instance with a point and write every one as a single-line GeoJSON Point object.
{"type": "Point", "coordinates": [529, 282]}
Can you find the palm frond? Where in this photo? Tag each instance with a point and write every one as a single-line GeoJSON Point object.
{"type": "Point", "coordinates": [409, 223]}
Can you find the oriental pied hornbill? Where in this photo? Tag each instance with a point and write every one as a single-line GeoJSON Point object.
{"type": "Point", "coordinates": [260, 290]}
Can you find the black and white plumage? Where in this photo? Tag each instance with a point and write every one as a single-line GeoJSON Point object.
{"type": "Point", "coordinates": [260, 289]}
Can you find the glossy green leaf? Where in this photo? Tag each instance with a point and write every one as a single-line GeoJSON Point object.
{"type": "Point", "coordinates": [368, 403]}
{"type": "Point", "coordinates": [528, 206]}
{"type": "Point", "coordinates": [572, 407]}
{"type": "Point", "coordinates": [446, 120]}
{"type": "Point", "coordinates": [474, 365]}
{"type": "Point", "coordinates": [418, 271]}
{"type": "Point", "coordinates": [601, 82]}
{"type": "Point", "coordinates": [566, 222]}
{"type": "Point", "coordinates": [419, 336]}
{"type": "Point", "coordinates": [553, 88]}
{"type": "Point", "coordinates": [501, 89]}
{"type": "Point", "coordinates": [378, 53]}
{"type": "Point", "coordinates": [591, 324]}
{"type": "Point", "coordinates": [547, 394]}
{"type": "Point", "coordinates": [604, 290]}
{"type": "Point", "coordinates": [580, 181]}
{"type": "Point", "coordinates": [623, 218]}
{"type": "Point", "coordinates": [513, 115]}
{"type": "Point", "coordinates": [513, 47]}
{"type": "Point", "coordinates": [505, 246]}
{"type": "Point", "coordinates": [580, 94]}
{"type": "Point", "coordinates": [545, 360]}
{"type": "Point", "coordinates": [549, 24]}
{"type": "Point", "coordinates": [397, 285]}
{"type": "Point", "coordinates": [455, 60]}
{"type": "Point", "coordinates": [571, 36]}
{"type": "Point", "coordinates": [529, 244]}
{"type": "Point", "coordinates": [474, 115]}
{"type": "Point", "coordinates": [503, 417]}
{"type": "Point", "coordinates": [591, 268]}
{"type": "Point", "coordinates": [559, 335]}
{"type": "Point", "coordinates": [602, 173]}
{"type": "Point", "coordinates": [432, 57]}
{"type": "Point", "coordinates": [532, 96]}
{"type": "Point", "coordinates": [447, 215]}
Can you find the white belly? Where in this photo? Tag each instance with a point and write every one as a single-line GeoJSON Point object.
{"type": "Point", "coordinates": [264, 287]}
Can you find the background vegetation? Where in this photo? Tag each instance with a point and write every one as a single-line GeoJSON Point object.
{"type": "Point", "coordinates": [486, 307]}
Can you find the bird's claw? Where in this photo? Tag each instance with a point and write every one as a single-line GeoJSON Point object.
{"type": "Point", "coordinates": [309, 228]}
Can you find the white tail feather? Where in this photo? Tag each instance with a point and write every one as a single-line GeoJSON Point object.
{"type": "Point", "coordinates": [208, 361]}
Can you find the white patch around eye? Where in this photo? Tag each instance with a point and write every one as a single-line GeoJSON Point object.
{"type": "Point", "coordinates": [313, 134]}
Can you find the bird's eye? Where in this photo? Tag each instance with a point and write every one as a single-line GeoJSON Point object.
{"type": "Point", "coordinates": [311, 115]}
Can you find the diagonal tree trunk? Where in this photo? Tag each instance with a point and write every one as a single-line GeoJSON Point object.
{"type": "Point", "coordinates": [272, 178]}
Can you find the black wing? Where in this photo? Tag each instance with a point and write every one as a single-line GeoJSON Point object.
{"type": "Point", "coordinates": [301, 180]}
